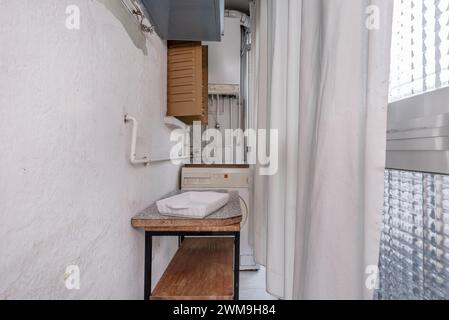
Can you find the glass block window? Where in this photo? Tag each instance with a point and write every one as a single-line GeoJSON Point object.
{"type": "Point", "coordinates": [420, 47]}
{"type": "Point", "coordinates": [414, 250]}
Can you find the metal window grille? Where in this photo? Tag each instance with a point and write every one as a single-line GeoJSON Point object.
{"type": "Point", "coordinates": [420, 47]}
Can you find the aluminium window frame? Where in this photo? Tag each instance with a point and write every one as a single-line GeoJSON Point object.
{"type": "Point", "coordinates": [418, 133]}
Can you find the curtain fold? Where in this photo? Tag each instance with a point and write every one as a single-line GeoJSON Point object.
{"type": "Point", "coordinates": [320, 77]}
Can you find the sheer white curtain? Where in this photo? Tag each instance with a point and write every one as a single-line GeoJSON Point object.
{"type": "Point", "coordinates": [320, 77]}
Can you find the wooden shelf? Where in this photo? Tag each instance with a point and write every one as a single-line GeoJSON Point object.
{"type": "Point", "coordinates": [202, 269]}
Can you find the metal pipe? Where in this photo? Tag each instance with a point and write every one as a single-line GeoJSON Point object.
{"type": "Point", "coordinates": [217, 101]}
{"type": "Point", "coordinates": [244, 19]}
{"type": "Point", "coordinates": [231, 124]}
{"type": "Point", "coordinates": [237, 112]}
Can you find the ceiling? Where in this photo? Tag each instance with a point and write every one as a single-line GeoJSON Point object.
{"type": "Point", "coordinates": [239, 5]}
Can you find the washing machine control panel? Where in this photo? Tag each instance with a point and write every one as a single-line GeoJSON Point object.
{"type": "Point", "coordinates": [215, 178]}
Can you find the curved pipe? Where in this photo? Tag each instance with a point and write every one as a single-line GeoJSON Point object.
{"type": "Point", "coordinates": [244, 19]}
{"type": "Point", "coordinates": [145, 160]}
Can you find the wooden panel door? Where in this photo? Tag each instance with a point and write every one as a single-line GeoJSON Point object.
{"type": "Point", "coordinates": [185, 78]}
{"type": "Point", "coordinates": [187, 81]}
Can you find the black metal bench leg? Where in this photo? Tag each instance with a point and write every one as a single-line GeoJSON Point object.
{"type": "Point", "coordinates": [236, 265]}
{"type": "Point", "coordinates": [148, 264]}
{"type": "Point", "coordinates": [180, 240]}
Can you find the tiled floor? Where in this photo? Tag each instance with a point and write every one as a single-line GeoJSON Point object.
{"type": "Point", "coordinates": [252, 285]}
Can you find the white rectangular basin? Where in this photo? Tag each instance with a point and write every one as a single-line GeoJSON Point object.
{"type": "Point", "coordinates": [193, 204]}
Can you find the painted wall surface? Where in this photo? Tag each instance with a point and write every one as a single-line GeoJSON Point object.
{"type": "Point", "coordinates": [224, 56]}
{"type": "Point", "coordinates": [67, 189]}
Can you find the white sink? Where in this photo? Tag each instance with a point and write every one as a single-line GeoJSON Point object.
{"type": "Point", "coordinates": [193, 204]}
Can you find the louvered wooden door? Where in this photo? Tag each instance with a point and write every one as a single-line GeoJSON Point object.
{"type": "Point", "coordinates": [187, 81]}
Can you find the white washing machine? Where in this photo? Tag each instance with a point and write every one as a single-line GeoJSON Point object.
{"type": "Point", "coordinates": [232, 179]}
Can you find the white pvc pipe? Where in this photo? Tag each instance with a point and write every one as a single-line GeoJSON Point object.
{"type": "Point", "coordinates": [132, 157]}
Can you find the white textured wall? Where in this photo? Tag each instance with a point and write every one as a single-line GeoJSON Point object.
{"type": "Point", "coordinates": [67, 190]}
{"type": "Point", "coordinates": [224, 56]}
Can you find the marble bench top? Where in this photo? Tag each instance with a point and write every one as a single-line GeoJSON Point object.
{"type": "Point", "coordinates": [150, 218]}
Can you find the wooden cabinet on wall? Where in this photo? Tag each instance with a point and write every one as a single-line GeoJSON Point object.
{"type": "Point", "coordinates": [187, 84]}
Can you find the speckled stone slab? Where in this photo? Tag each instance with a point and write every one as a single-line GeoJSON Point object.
{"type": "Point", "coordinates": [231, 210]}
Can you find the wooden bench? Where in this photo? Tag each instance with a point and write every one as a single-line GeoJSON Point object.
{"type": "Point", "coordinates": [206, 265]}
